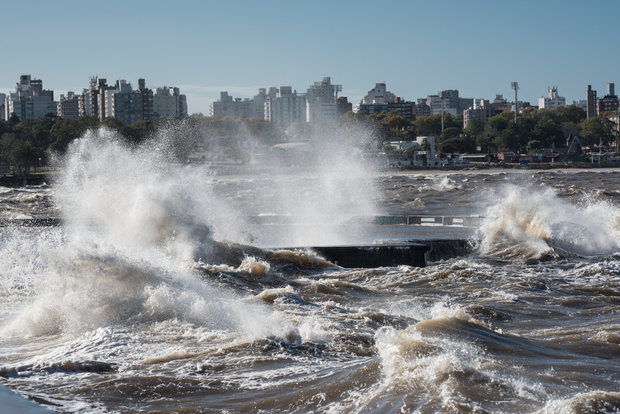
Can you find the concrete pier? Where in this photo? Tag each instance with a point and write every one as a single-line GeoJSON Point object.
{"type": "Point", "coordinates": [412, 254]}
{"type": "Point", "coordinates": [398, 240]}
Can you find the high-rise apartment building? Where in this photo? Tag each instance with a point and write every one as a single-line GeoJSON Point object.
{"type": "Point", "coordinates": [227, 107]}
{"type": "Point", "coordinates": [321, 105]}
{"type": "Point", "coordinates": [168, 103]}
{"type": "Point", "coordinates": [286, 107]}
{"type": "Point", "coordinates": [146, 101]}
{"type": "Point", "coordinates": [92, 102]}
{"type": "Point", "coordinates": [30, 100]}
{"type": "Point", "coordinates": [129, 105]}
{"type": "Point", "coordinates": [257, 107]}
{"type": "Point", "coordinates": [68, 107]}
{"type": "Point", "coordinates": [126, 104]}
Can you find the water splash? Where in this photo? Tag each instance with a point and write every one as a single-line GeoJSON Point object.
{"type": "Point", "coordinates": [535, 223]}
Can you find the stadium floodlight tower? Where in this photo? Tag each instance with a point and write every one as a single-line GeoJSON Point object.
{"type": "Point", "coordinates": [515, 86]}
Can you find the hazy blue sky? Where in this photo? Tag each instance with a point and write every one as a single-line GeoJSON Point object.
{"type": "Point", "coordinates": [417, 47]}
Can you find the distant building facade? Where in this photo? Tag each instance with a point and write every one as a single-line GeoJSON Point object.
{"type": "Point", "coordinates": [145, 97]}
{"type": "Point", "coordinates": [552, 101]}
{"type": "Point", "coordinates": [68, 107]}
{"type": "Point", "coordinates": [3, 114]}
{"type": "Point", "coordinates": [379, 99]}
{"type": "Point", "coordinates": [582, 103]}
{"type": "Point", "coordinates": [422, 108]}
{"type": "Point", "coordinates": [123, 103]}
{"type": "Point", "coordinates": [343, 105]}
{"type": "Point", "coordinates": [30, 100]}
{"type": "Point", "coordinates": [609, 102]}
{"type": "Point", "coordinates": [479, 110]}
{"type": "Point", "coordinates": [500, 105]}
{"type": "Point", "coordinates": [378, 95]}
{"type": "Point", "coordinates": [227, 107]}
{"type": "Point", "coordinates": [285, 107]}
{"type": "Point", "coordinates": [590, 102]}
{"type": "Point", "coordinates": [92, 102]}
{"type": "Point", "coordinates": [257, 107]}
{"type": "Point", "coordinates": [321, 107]}
{"type": "Point", "coordinates": [169, 103]}
{"type": "Point", "coordinates": [406, 108]}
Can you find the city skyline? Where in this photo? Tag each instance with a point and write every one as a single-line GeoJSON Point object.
{"type": "Point", "coordinates": [417, 49]}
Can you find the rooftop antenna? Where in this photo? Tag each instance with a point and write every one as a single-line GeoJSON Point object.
{"type": "Point", "coordinates": [515, 86]}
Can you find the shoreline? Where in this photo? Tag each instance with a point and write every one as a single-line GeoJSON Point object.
{"type": "Point", "coordinates": [10, 180]}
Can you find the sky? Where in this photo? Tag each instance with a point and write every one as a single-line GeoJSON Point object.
{"type": "Point", "coordinates": [417, 48]}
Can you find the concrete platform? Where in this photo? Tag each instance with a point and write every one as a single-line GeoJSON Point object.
{"type": "Point", "coordinates": [376, 255]}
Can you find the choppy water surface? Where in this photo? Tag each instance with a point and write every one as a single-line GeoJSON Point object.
{"type": "Point", "coordinates": [136, 303]}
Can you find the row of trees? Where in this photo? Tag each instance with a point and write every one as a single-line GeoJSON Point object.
{"type": "Point", "coordinates": [28, 143]}
{"type": "Point", "coordinates": [535, 129]}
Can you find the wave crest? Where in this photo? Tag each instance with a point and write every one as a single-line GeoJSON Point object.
{"type": "Point", "coordinates": [533, 224]}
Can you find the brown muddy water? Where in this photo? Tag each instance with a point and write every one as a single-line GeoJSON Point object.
{"type": "Point", "coordinates": [138, 303]}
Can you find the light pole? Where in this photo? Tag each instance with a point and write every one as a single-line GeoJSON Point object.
{"type": "Point", "coordinates": [515, 86]}
{"type": "Point", "coordinates": [442, 109]}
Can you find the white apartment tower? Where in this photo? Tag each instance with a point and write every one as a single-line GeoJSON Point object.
{"type": "Point", "coordinates": [553, 101]}
{"type": "Point", "coordinates": [378, 95]}
{"type": "Point", "coordinates": [168, 103]}
{"type": "Point", "coordinates": [321, 107]}
{"type": "Point", "coordinates": [286, 107]}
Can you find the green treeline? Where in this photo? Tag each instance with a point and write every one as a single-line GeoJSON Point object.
{"type": "Point", "coordinates": [29, 143]}
{"type": "Point", "coordinates": [535, 129]}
